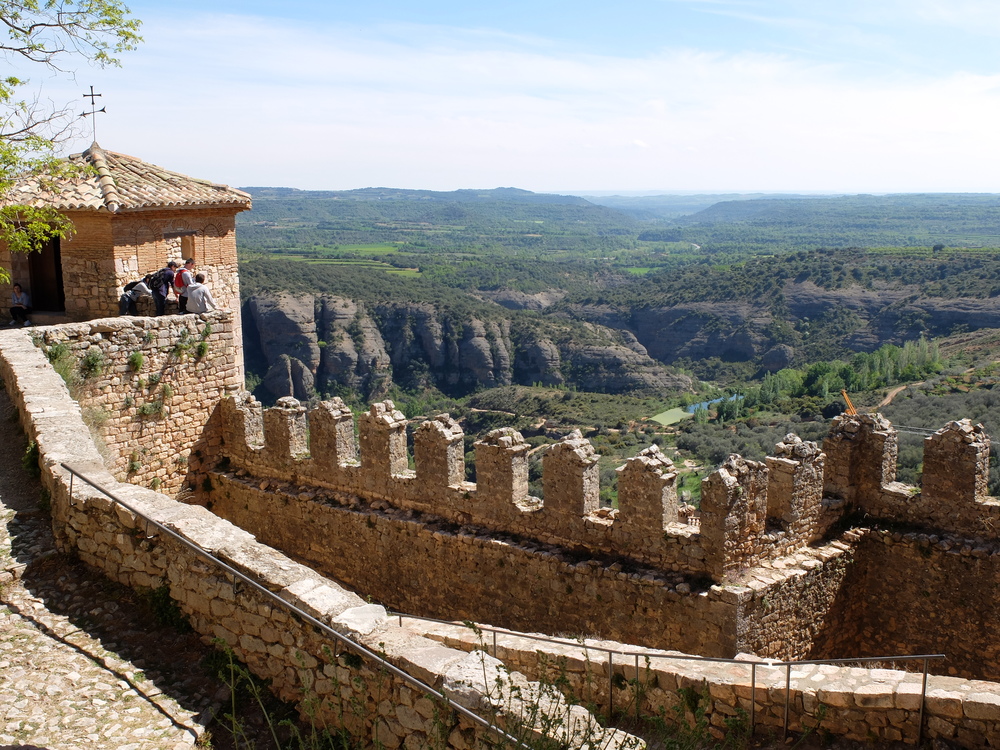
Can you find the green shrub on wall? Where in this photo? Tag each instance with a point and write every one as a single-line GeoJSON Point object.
{"type": "Point", "coordinates": [151, 409]}
{"type": "Point", "coordinates": [93, 362]}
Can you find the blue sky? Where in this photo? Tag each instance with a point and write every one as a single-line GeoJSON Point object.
{"type": "Point", "coordinates": [641, 95]}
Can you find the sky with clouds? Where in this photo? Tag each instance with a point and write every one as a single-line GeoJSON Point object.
{"type": "Point", "coordinates": [639, 95]}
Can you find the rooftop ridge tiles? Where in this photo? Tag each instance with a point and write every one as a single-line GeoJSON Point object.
{"type": "Point", "coordinates": [122, 183]}
{"type": "Point", "coordinates": [109, 190]}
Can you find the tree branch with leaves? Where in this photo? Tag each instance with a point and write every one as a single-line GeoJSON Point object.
{"type": "Point", "coordinates": [54, 34]}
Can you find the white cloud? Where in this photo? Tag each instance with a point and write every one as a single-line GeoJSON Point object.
{"type": "Point", "coordinates": [252, 102]}
{"type": "Point", "coordinates": [979, 17]}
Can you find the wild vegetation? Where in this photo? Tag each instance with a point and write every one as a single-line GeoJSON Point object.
{"type": "Point", "coordinates": [469, 254]}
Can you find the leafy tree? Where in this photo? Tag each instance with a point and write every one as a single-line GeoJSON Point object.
{"type": "Point", "coordinates": [51, 33]}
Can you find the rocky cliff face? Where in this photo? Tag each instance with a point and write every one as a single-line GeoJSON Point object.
{"type": "Point", "coordinates": [855, 319]}
{"type": "Point", "coordinates": [308, 344]}
{"type": "Point", "coordinates": [316, 344]}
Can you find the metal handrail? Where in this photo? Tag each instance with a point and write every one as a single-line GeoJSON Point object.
{"type": "Point", "coordinates": [304, 616]}
{"type": "Point", "coordinates": [611, 652]}
{"type": "Point", "coordinates": [475, 718]}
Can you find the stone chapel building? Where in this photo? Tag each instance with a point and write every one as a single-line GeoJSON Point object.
{"type": "Point", "coordinates": [130, 219]}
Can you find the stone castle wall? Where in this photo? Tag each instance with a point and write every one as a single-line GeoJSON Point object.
{"type": "Point", "coordinates": [302, 664]}
{"type": "Point", "coordinates": [149, 388]}
{"type": "Point", "coordinates": [920, 593]}
{"type": "Point", "coordinates": [456, 573]}
{"type": "Point", "coordinates": [643, 530]}
{"type": "Point", "coordinates": [766, 541]}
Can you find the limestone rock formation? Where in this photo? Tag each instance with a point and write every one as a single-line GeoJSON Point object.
{"type": "Point", "coordinates": [354, 353]}
{"type": "Point", "coordinates": [742, 331]}
{"type": "Point", "coordinates": [515, 300]}
{"type": "Point", "coordinates": [538, 361]}
{"type": "Point", "coordinates": [311, 345]}
{"type": "Point", "coordinates": [286, 334]}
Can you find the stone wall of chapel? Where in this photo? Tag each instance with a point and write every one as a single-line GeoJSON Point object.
{"type": "Point", "coordinates": [149, 390]}
{"type": "Point", "coordinates": [89, 276]}
{"type": "Point", "coordinates": [145, 241]}
{"type": "Point", "coordinates": [107, 251]}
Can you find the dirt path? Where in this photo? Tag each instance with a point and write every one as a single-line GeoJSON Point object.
{"type": "Point", "coordinates": [895, 392]}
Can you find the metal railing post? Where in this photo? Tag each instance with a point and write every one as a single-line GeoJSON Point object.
{"type": "Point", "coordinates": [611, 684]}
{"type": "Point", "coordinates": [788, 695]}
{"type": "Point", "coordinates": [636, 691]}
{"type": "Point", "coordinates": [753, 696]}
{"type": "Point", "coordinates": [923, 697]}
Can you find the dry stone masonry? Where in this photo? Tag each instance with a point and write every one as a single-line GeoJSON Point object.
{"type": "Point", "coordinates": [814, 552]}
{"type": "Point", "coordinates": [751, 511]}
{"type": "Point", "coordinates": [766, 572]}
{"type": "Point", "coordinates": [148, 389]}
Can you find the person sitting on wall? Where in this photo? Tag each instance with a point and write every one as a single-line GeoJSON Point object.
{"type": "Point", "coordinates": [199, 296]}
{"type": "Point", "coordinates": [182, 280]}
{"type": "Point", "coordinates": [133, 290]}
{"type": "Point", "coordinates": [20, 306]}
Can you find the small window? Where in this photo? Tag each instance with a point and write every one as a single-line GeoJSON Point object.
{"type": "Point", "coordinates": [187, 248]}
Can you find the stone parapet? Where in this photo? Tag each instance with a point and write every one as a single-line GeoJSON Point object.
{"type": "Point", "coordinates": [861, 469]}
{"type": "Point", "coordinates": [647, 527]}
{"type": "Point", "coordinates": [869, 705]}
{"type": "Point", "coordinates": [149, 390]}
{"type": "Point", "coordinates": [332, 685]}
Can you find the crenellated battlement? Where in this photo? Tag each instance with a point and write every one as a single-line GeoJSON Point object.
{"type": "Point", "coordinates": [861, 470]}
{"type": "Point", "coordinates": [751, 511]}
{"type": "Point", "coordinates": [646, 527]}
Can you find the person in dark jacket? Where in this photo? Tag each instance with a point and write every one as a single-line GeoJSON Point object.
{"type": "Point", "coordinates": [160, 290]}
{"type": "Point", "coordinates": [20, 306]}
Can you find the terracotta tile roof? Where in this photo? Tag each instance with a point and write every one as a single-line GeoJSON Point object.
{"type": "Point", "coordinates": [119, 183]}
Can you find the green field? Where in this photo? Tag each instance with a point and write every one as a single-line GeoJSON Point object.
{"type": "Point", "coordinates": [384, 248]}
{"type": "Point", "coordinates": [672, 416]}
{"type": "Point", "coordinates": [374, 265]}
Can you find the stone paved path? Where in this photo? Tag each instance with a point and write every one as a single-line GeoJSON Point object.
{"type": "Point", "coordinates": [83, 662]}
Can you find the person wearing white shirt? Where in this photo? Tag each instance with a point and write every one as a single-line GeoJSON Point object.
{"type": "Point", "coordinates": [199, 296]}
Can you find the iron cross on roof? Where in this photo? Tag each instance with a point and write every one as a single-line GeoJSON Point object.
{"type": "Point", "coordinates": [93, 111]}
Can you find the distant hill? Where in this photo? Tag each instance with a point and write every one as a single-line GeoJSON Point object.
{"type": "Point", "coordinates": [501, 219]}
{"type": "Point", "coordinates": [670, 206]}
{"type": "Point", "coordinates": [956, 219]}
{"type": "Point", "coordinates": [514, 195]}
